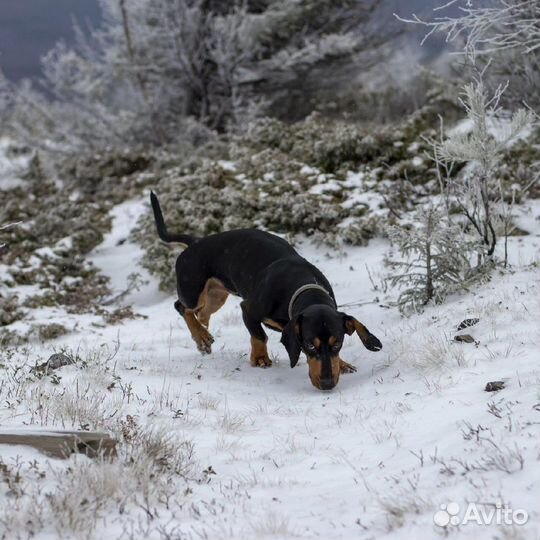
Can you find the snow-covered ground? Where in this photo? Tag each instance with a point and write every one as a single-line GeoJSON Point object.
{"type": "Point", "coordinates": [269, 455]}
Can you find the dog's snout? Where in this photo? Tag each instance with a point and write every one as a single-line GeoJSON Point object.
{"type": "Point", "coordinates": [327, 384]}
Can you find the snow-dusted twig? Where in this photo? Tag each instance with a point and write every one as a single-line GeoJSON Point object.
{"type": "Point", "coordinates": [508, 24]}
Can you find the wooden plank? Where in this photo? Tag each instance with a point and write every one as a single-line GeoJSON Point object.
{"type": "Point", "coordinates": [61, 444]}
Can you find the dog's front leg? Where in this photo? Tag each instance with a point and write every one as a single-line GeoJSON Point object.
{"type": "Point", "coordinates": [345, 367]}
{"type": "Point", "coordinates": [259, 352]}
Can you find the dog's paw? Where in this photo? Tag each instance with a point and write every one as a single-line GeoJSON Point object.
{"type": "Point", "coordinates": [261, 361]}
{"type": "Point", "coordinates": [372, 343]}
{"type": "Point", "coordinates": [204, 348]}
{"type": "Point", "coordinates": [204, 341]}
{"type": "Point", "coordinates": [345, 367]}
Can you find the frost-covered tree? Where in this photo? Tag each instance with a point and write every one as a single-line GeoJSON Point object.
{"type": "Point", "coordinates": [478, 191]}
{"type": "Point", "coordinates": [153, 64]}
{"type": "Point", "coordinates": [443, 252]}
{"type": "Point", "coordinates": [505, 33]}
{"type": "Point", "coordinates": [431, 258]}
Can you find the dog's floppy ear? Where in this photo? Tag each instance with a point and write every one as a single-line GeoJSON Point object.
{"type": "Point", "coordinates": [291, 338]}
{"type": "Point", "coordinates": [351, 325]}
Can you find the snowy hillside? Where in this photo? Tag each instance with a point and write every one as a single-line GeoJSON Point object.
{"type": "Point", "coordinates": [217, 449]}
{"type": "Point", "coordinates": [414, 190]}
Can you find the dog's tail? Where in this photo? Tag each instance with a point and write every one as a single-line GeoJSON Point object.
{"type": "Point", "coordinates": [165, 235]}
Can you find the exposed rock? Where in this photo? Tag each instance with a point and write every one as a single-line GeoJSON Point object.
{"type": "Point", "coordinates": [494, 386]}
{"type": "Point", "coordinates": [465, 338]}
{"type": "Point", "coordinates": [518, 231]}
{"type": "Point", "coordinates": [55, 361]}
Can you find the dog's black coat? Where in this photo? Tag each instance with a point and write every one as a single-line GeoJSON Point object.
{"type": "Point", "coordinates": [265, 271]}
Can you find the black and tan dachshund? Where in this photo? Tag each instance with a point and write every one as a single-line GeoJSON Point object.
{"type": "Point", "coordinates": [279, 289]}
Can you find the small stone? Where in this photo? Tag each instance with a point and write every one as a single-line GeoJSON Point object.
{"type": "Point", "coordinates": [55, 361]}
{"type": "Point", "coordinates": [59, 360]}
{"type": "Point", "coordinates": [466, 323]}
{"type": "Point", "coordinates": [494, 386]}
{"type": "Point", "coordinates": [465, 338]}
{"type": "Point", "coordinates": [518, 231]}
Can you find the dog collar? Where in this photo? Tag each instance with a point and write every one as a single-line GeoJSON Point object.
{"type": "Point", "coordinates": [302, 289]}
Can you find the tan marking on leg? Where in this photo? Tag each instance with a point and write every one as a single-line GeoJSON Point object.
{"type": "Point", "coordinates": [199, 333]}
{"type": "Point", "coordinates": [273, 324]}
{"type": "Point", "coordinates": [212, 298]}
{"type": "Point", "coordinates": [345, 367]}
{"type": "Point", "coordinates": [259, 353]}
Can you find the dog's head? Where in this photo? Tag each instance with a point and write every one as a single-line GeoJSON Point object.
{"type": "Point", "coordinates": [319, 332]}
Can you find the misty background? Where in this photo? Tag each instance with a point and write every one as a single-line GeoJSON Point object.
{"type": "Point", "coordinates": [30, 28]}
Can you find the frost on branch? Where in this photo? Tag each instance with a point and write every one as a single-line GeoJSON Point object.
{"type": "Point", "coordinates": [481, 144]}
{"type": "Point", "coordinates": [503, 33]}
{"type": "Point", "coordinates": [505, 24]}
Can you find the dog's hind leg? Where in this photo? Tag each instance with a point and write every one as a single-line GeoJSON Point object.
{"type": "Point", "coordinates": [212, 298]}
{"type": "Point", "coordinates": [192, 285]}
{"type": "Point", "coordinates": [201, 336]}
